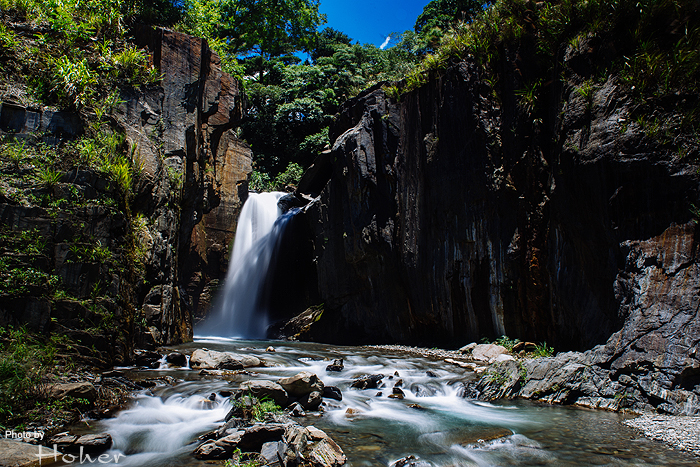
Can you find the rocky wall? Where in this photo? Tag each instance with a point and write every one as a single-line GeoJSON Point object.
{"type": "Point", "coordinates": [457, 214]}
{"type": "Point", "coordinates": [184, 135]}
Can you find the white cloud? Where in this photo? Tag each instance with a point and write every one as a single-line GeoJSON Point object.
{"type": "Point", "coordinates": [385, 43]}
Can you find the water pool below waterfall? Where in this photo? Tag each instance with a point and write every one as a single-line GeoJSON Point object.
{"type": "Point", "coordinates": [432, 422]}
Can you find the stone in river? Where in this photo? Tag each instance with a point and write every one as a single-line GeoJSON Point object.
{"type": "Point", "coordinates": [301, 384]}
{"type": "Point", "coordinates": [332, 392]}
{"type": "Point", "coordinates": [265, 388]}
{"type": "Point", "coordinates": [337, 365]}
{"type": "Point", "coordinates": [367, 382]}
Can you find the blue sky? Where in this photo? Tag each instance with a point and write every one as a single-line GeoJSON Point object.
{"type": "Point", "coordinates": [370, 21]}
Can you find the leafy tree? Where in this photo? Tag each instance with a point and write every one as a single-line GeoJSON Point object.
{"type": "Point", "coordinates": [439, 16]}
{"type": "Point", "coordinates": [327, 43]}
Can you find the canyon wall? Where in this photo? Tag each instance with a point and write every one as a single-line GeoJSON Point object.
{"type": "Point", "coordinates": [457, 213]}
{"type": "Point", "coordinates": [162, 250]}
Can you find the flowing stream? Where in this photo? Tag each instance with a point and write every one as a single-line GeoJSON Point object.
{"type": "Point", "coordinates": [433, 422]}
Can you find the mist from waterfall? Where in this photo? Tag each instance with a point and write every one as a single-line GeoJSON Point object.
{"type": "Point", "coordinates": [240, 308]}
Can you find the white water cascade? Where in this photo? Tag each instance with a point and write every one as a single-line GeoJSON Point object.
{"type": "Point", "coordinates": [240, 311]}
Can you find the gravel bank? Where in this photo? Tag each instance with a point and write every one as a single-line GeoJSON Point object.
{"type": "Point", "coordinates": [434, 353]}
{"type": "Point", "coordinates": [681, 432]}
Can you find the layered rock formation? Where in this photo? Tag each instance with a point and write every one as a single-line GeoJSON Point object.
{"type": "Point", "coordinates": [458, 213]}
{"type": "Point", "coordinates": [184, 132]}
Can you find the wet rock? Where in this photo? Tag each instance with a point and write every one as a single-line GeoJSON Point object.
{"type": "Point", "coordinates": [147, 358]}
{"type": "Point", "coordinates": [332, 392]}
{"type": "Point", "coordinates": [176, 359]}
{"type": "Point", "coordinates": [351, 411]}
{"type": "Point", "coordinates": [337, 365]}
{"type": "Point", "coordinates": [502, 380]}
{"type": "Point", "coordinates": [485, 434]}
{"type": "Point", "coordinates": [411, 461]}
{"type": "Point", "coordinates": [260, 433]}
{"type": "Point", "coordinates": [326, 453]}
{"type": "Point", "coordinates": [312, 400]}
{"type": "Point", "coordinates": [273, 453]}
{"type": "Point", "coordinates": [220, 449]}
{"type": "Point", "coordinates": [301, 384]}
{"type": "Point", "coordinates": [431, 374]}
{"type": "Point", "coordinates": [367, 382]}
{"type": "Point", "coordinates": [398, 383]}
{"type": "Point", "coordinates": [270, 349]}
{"type": "Point", "coordinates": [296, 410]}
{"type": "Point", "coordinates": [83, 390]}
{"type": "Point", "coordinates": [421, 390]}
{"type": "Point", "coordinates": [88, 443]}
{"type": "Point", "coordinates": [264, 388]}
{"type": "Point", "coordinates": [213, 360]}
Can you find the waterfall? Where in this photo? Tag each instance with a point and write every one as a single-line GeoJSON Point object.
{"type": "Point", "coordinates": [240, 310]}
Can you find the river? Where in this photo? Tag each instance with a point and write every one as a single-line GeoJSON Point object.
{"type": "Point", "coordinates": [432, 422]}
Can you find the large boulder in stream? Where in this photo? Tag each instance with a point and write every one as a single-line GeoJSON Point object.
{"type": "Point", "coordinates": [283, 442]}
{"type": "Point", "coordinates": [306, 387]}
{"type": "Point", "coordinates": [213, 360]}
{"type": "Point", "coordinates": [264, 388]}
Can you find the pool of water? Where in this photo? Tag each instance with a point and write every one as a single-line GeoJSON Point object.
{"type": "Point", "coordinates": [432, 422]}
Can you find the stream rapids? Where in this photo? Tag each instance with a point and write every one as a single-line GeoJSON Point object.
{"type": "Point", "coordinates": [433, 422]}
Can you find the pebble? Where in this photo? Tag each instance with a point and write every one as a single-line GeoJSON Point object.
{"type": "Point", "coordinates": [681, 432]}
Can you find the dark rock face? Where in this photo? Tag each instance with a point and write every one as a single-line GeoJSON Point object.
{"type": "Point", "coordinates": [451, 216]}
{"type": "Point", "coordinates": [184, 134]}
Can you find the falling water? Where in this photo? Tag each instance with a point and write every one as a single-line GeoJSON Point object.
{"type": "Point", "coordinates": [240, 310]}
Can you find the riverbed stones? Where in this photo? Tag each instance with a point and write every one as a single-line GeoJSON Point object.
{"type": "Point", "coordinates": [282, 443]}
{"type": "Point", "coordinates": [265, 388]}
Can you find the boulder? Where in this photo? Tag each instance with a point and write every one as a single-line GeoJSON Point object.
{"type": "Point", "coordinates": [213, 360]}
{"type": "Point", "coordinates": [176, 359]}
{"type": "Point", "coordinates": [255, 436]}
{"type": "Point", "coordinates": [467, 348]}
{"type": "Point", "coordinates": [332, 392]}
{"type": "Point", "coordinates": [273, 453]}
{"type": "Point", "coordinates": [296, 410]}
{"type": "Point", "coordinates": [312, 400]}
{"type": "Point", "coordinates": [264, 388]}
{"type": "Point", "coordinates": [367, 382]}
{"type": "Point", "coordinates": [488, 352]}
{"type": "Point", "coordinates": [16, 453]}
{"type": "Point", "coordinates": [301, 384]}
{"type": "Point", "coordinates": [147, 358]}
{"type": "Point", "coordinates": [88, 443]}
{"type": "Point", "coordinates": [82, 390]}
{"type": "Point", "coordinates": [337, 365]}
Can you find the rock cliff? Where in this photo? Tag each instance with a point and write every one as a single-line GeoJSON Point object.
{"type": "Point", "coordinates": [457, 213]}
{"type": "Point", "coordinates": [134, 271]}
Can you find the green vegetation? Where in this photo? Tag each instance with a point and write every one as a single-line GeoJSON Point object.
{"type": "Point", "coordinates": [254, 408]}
{"type": "Point", "coordinates": [542, 350]}
{"type": "Point", "coordinates": [25, 365]}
